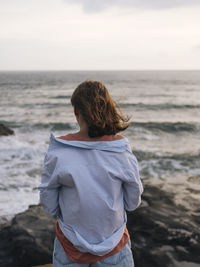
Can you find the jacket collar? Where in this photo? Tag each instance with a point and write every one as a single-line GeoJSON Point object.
{"type": "Point", "coordinates": [120, 145]}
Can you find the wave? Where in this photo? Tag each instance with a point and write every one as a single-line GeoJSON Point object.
{"type": "Point", "coordinates": [147, 155]}
{"type": "Point", "coordinates": [61, 97]}
{"type": "Point", "coordinates": [19, 86]}
{"type": "Point", "coordinates": [169, 127]}
{"type": "Point", "coordinates": [45, 105]}
{"type": "Point", "coordinates": [155, 165]}
{"type": "Point", "coordinates": [165, 106]}
{"type": "Point", "coordinates": [52, 125]}
{"type": "Point", "coordinates": [55, 126]}
{"type": "Point", "coordinates": [11, 124]}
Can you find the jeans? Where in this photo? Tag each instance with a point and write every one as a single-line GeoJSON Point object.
{"type": "Point", "coordinates": [123, 258]}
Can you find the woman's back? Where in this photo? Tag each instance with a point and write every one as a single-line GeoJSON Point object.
{"type": "Point", "coordinates": [92, 177]}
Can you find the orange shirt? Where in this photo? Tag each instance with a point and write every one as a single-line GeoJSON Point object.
{"type": "Point", "coordinates": [75, 137]}
{"type": "Point", "coordinates": [72, 253]}
{"type": "Point", "coordinates": [83, 257]}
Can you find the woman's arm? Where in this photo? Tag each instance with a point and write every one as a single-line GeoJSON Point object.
{"type": "Point", "coordinates": [132, 186]}
{"type": "Point", "coordinates": [49, 187]}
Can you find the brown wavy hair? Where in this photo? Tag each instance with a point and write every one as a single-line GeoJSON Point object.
{"type": "Point", "coordinates": [102, 115]}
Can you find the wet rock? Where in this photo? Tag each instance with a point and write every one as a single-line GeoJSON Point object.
{"type": "Point", "coordinates": [28, 239]}
{"type": "Point", "coordinates": [162, 234]}
{"type": "Point", "coordinates": [5, 130]}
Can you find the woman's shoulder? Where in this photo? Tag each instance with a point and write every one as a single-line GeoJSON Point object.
{"type": "Point", "coordinates": [67, 137]}
{"type": "Point", "coordinates": [76, 137]}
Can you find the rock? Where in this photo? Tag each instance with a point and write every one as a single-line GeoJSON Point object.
{"type": "Point", "coordinates": [5, 130]}
{"type": "Point", "coordinates": [28, 239]}
{"type": "Point", "coordinates": [162, 234]}
{"type": "Point", "coordinates": [46, 265]}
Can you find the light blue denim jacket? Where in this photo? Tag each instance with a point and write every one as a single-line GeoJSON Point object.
{"type": "Point", "coordinates": [89, 185]}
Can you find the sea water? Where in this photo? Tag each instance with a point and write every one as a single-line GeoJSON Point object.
{"type": "Point", "coordinates": [164, 132]}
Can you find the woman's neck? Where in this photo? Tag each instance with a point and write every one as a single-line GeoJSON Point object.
{"type": "Point", "coordinates": [82, 134]}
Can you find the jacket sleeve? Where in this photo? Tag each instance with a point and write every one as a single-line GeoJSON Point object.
{"type": "Point", "coordinates": [132, 186]}
{"type": "Point", "coordinates": [49, 187]}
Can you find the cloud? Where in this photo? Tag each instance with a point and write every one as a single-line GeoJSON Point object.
{"type": "Point", "coordinates": [90, 6]}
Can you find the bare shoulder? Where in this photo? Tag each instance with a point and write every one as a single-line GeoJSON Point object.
{"type": "Point", "coordinates": [66, 137]}
{"type": "Point", "coordinates": [120, 137]}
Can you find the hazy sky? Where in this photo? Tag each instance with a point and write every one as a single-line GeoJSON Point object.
{"type": "Point", "coordinates": [99, 34]}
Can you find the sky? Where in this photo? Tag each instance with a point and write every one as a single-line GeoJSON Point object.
{"type": "Point", "coordinates": [99, 34]}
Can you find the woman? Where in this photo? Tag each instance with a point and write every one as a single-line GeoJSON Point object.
{"type": "Point", "coordinates": [90, 179]}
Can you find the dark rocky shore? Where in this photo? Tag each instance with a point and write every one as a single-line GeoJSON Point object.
{"type": "Point", "coordinates": [162, 233]}
{"type": "Point", "coordinates": [5, 130]}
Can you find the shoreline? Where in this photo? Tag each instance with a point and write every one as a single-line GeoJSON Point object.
{"type": "Point", "coordinates": [162, 234]}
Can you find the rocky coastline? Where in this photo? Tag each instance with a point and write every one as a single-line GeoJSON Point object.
{"type": "Point", "coordinates": [162, 234]}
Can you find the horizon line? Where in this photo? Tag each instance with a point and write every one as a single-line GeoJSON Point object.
{"type": "Point", "coordinates": [54, 70]}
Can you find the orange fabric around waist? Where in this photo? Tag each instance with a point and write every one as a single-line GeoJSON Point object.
{"type": "Point", "coordinates": [83, 257]}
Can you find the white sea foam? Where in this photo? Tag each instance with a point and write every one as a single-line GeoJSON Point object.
{"type": "Point", "coordinates": [21, 160]}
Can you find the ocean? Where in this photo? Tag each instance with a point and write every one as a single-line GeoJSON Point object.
{"type": "Point", "coordinates": [164, 130]}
